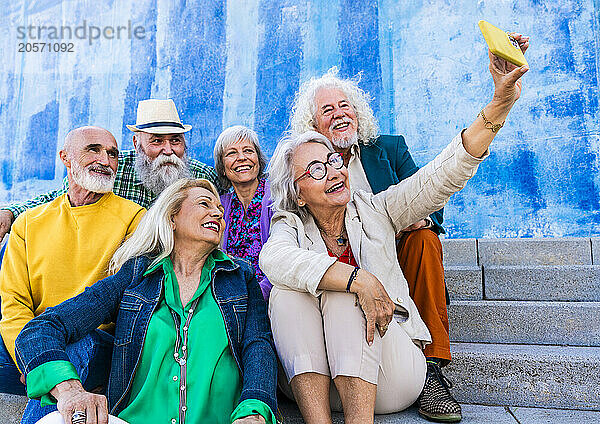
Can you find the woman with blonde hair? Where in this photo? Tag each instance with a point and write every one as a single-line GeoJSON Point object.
{"type": "Point", "coordinates": [192, 340]}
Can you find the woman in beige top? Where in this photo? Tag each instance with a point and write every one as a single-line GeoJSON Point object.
{"type": "Point", "coordinates": [331, 258]}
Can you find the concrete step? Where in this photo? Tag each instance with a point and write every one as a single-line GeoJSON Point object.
{"type": "Point", "coordinates": [557, 282]}
{"type": "Point", "coordinates": [472, 414]}
{"type": "Point", "coordinates": [11, 408]}
{"type": "Point", "coordinates": [460, 252]}
{"type": "Point", "coordinates": [464, 282]}
{"type": "Point", "coordinates": [529, 376]}
{"type": "Point", "coordinates": [535, 251]}
{"type": "Point", "coordinates": [495, 321]}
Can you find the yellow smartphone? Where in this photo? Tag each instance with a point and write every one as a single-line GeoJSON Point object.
{"type": "Point", "coordinates": [501, 44]}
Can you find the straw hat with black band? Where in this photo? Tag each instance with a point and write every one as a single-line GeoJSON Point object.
{"type": "Point", "coordinates": [158, 117]}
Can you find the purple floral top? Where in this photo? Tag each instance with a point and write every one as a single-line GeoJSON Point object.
{"type": "Point", "coordinates": [244, 239]}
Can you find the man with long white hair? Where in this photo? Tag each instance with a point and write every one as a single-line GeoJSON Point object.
{"type": "Point", "coordinates": [339, 109]}
{"type": "Point", "coordinates": [158, 159]}
{"type": "Point", "coordinates": [58, 249]}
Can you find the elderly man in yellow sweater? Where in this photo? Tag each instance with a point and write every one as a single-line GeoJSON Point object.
{"type": "Point", "coordinates": [58, 249]}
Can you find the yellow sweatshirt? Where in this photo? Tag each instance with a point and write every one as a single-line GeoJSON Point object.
{"type": "Point", "coordinates": [55, 251]}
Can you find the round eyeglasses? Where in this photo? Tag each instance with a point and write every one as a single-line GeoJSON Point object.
{"type": "Point", "coordinates": [318, 170]}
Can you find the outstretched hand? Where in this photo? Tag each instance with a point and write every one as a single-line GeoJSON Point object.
{"type": "Point", "coordinates": [506, 75]}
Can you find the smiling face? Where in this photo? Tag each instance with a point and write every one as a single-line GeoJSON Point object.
{"type": "Point", "coordinates": [326, 194]}
{"type": "Point", "coordinates": [335, 117]}
{"type": "Point", "coordinates": [155, 145]}
{"type": "Point", "coordinates": [91, 157]}
{"type": "Point", "coordinates": [241, 162]}
{"type": "Point", "coordinates": [200, 218]}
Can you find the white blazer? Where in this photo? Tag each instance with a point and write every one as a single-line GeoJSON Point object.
{"type": "Point", "coordinates": [295, 257]}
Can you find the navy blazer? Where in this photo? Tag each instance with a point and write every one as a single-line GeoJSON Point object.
{"type": "Point", "coordinates": [387, 161]}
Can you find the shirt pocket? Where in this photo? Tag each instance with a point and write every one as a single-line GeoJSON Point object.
{"type": "Point", "coordinates": [129, 310]}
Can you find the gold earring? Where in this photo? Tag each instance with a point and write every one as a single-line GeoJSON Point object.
{"type": "Point", "coordinates": [301, 203]}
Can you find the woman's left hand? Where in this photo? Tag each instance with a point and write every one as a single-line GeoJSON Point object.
{"type": "Point", "coordinates": [250, 419]}
{"type": "Point", "coordinates": [506, 75]}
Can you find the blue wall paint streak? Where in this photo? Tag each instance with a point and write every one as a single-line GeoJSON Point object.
{"type": "Point", "coordinates": [278, 72]}
{"type": "Point", "coordinates": [585, 193]}
{"type": "Point", "coordinates": [541, 179]}
{"type": "Point", "coordinates": [79, 106]}
{"type": "Point", "coordinates": [39, 151]}
{"type": "Point", "coordinates": [199, 80]}
{"type": "Point", "coordinates": [6, 164]}
{"type": "Point", "coordinates": [359, 44]}
{"type": "Point", "coordinates": [142, 69]}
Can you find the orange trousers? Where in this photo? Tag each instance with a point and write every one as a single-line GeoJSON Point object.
{"type": "Point", "coordinates": [420, 257]}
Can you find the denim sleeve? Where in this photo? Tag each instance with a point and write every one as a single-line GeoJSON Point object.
{"type": "Point", "coordinates": [258, 352]}
{"type": "Point", "coordinates": [44, 338]}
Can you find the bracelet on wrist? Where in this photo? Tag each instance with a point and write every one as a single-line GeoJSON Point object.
{"type": "Point", "coordinates": [490, 125]}
{"type": "Point", "coordinates": [352, 278]}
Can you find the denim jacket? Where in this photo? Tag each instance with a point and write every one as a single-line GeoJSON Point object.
{"type": "Point", "coordinates": [129, 298]}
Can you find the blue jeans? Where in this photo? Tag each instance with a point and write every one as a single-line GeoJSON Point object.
{"type": "Point", "coordinates": [9, 374]}
{"type": "Point", "coordinates": [91, 358]}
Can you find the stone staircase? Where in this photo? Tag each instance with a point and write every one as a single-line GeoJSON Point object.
{"type": "Point", "coordinates": [525, 330]}
{"type": "Point", "coordinates": [525, 321]}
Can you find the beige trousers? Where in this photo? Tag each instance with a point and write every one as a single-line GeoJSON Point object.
{"type": "Point", "coordinates": [327, 335]}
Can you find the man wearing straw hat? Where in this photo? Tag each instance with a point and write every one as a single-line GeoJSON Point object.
{"type": "Point", "coordinates": [159, 158]}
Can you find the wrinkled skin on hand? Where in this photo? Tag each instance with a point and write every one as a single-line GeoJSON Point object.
{"type": "Point", "coordinates": [374, 302]}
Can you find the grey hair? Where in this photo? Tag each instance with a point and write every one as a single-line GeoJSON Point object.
{"type": "Point", "coordinates": [304, 109]}
{"type": "Point", "coordinates": [284, 190]}
{"type": "Point", "coordinates": [229, 136]}
{"type": "Point", "coordinates": [154, 234]}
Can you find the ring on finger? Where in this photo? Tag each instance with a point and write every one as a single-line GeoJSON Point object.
{"type": "Point", "coordinates": [78, 417]}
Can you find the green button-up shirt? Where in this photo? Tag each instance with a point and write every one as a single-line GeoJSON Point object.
{"type": "Point", "coordinates": [213, 377]}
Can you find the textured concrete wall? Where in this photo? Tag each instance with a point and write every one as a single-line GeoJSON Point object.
{"type": "Point", "coordinates": [240, 61]}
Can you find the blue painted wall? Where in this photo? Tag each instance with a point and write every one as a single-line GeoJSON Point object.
{"type": "Point", "coordinates": [240, 61]}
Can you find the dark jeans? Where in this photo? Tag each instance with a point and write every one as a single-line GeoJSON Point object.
{"type": "Point", "coordinates": [9, 374]}
{"type": "Point", "coordinates": [90, 356]}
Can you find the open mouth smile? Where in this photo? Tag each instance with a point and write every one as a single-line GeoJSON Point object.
{"type": "Point", "coordinates": [336, 187]}
{"type": "Point", "coordinates": [341, 126]}
{"type": "Point", "coordinates": [101, 171]}
{"type": "Point", "coordinates": [212, 225]}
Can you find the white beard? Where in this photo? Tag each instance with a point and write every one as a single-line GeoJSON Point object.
{"type": "Point", "coordinates": [91, 181]}
{"type": "Point", "coordinates": [158, 174]}
{"type": "Point", "coordinates": [344, 141]}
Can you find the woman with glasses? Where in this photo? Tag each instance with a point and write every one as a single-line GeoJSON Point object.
{"type": "Point", "coordinates": [337, 285]}
{"type": "Point", "coordinates": [240, 165]}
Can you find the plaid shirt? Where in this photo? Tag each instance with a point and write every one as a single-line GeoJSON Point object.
{"type": "Point", "coordinates": [127, 184]}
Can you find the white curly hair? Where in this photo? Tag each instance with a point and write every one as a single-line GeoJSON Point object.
{"type": "Point", "coordinates": [304, 109]}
